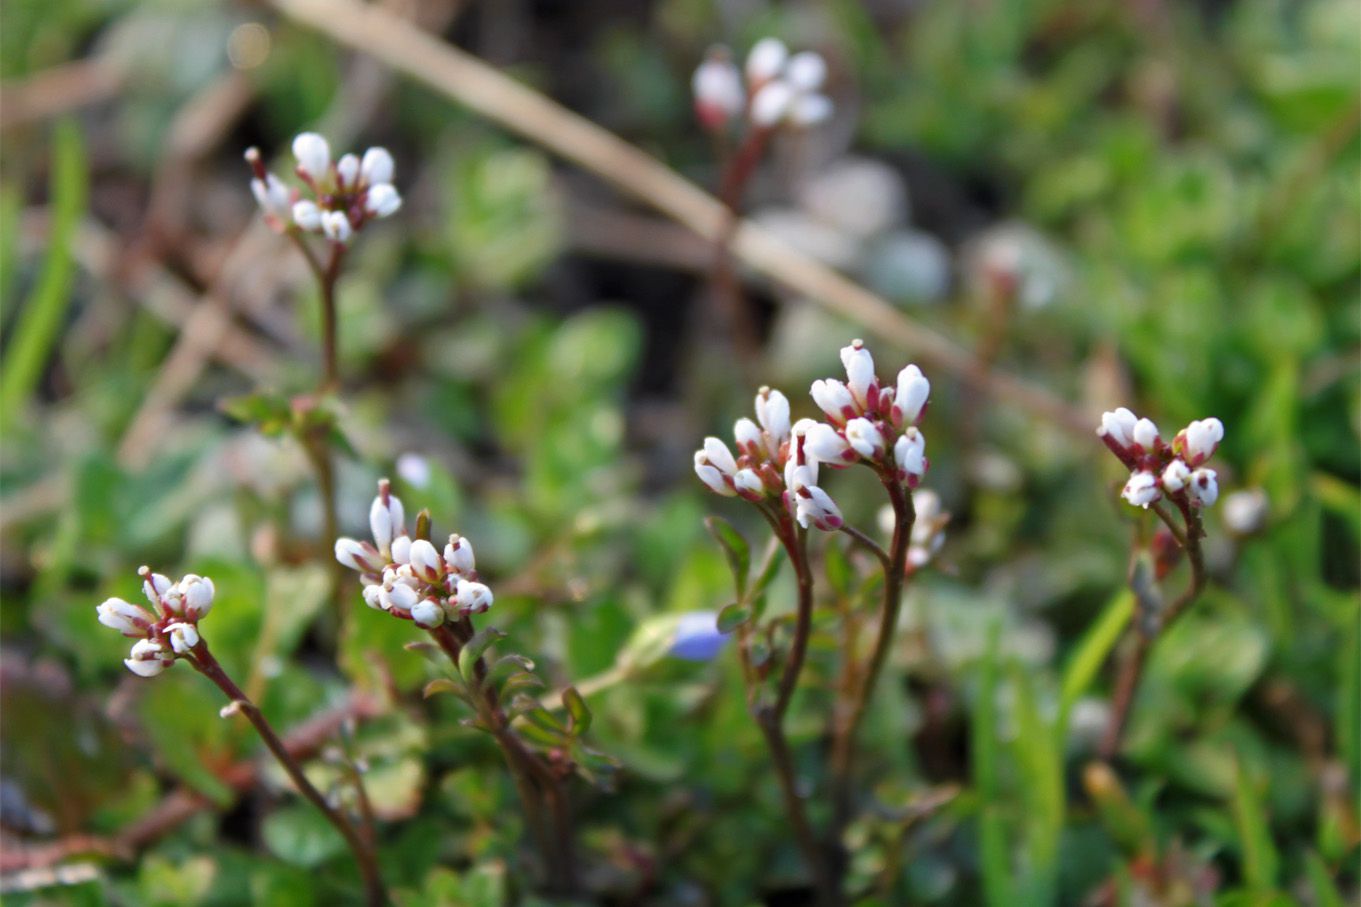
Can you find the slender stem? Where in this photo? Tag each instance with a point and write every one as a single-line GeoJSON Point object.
{"type": "Point", "coordinates": [737, 172]}
{"type": "Point", "coordinates": [843, 741]}
{"type": "Point", "coordinates": [869, 545]}
{"type": "Point", "coordinates": [208, 666]}
{"type": "Point", "coordinates": [329, 344]}
{"type": "Point", "coordinates": [1147, 629]}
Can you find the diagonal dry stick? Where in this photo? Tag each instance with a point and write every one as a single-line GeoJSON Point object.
{"type": "Point", "coordinates": [472, 83]}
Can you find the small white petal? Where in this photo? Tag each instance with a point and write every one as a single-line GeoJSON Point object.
{"type": "Point", "coordinates": [911, 396]}
{"type": "Point", "coordinates": [307, 215]}
{"type": "Point", "coordinates": [336, 226]}
{"type": "Point", "coordinates": [771, 103]}
{"type": "Point", "coordinates": [710, 476]}
{"type": "Point", "coordinates": [1203, 486]}
{"type": "Point", "coordinates": [377, 166]}
{"type": "Point", "coordinates": [382, 200]}
{"type": "Point", "coordinates": [473, 598]}
{"type": "Point", "coordinates": [765, 60]}
{"type": "Point", "coordinates": [458, 555]}
{"type": "Point", "coordinates": [426, 561]}
{"type": "Point", "coordinates": [1175, 476]}
{"type": "Point", "coordinates": [859, 370]}
{"type": "Point", "coordinates": [347, 169]}
{"type": "Point", "coordinates": [827, 445]}
{"type": "Point", "coordinates": [806, 71]}
{"type": "Point", "coordinates": [313, 154]}
{"type": "Point", "coordinates": [1145, 434]}
{"type": "Point", "coordinates": [772, 411]}
{"type": "Point", "coordinates": [427, 613]}
{"type": "Point", "coordinates": [719, 455]}
{"type": "Point", "coordinates": [1142, 489]}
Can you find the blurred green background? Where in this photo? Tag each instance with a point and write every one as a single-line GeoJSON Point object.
{"type": "Point", "coordinates": [1173, 187]}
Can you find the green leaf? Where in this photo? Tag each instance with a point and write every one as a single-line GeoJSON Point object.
{"type": "Point", "coordinates": [1321, 880]}
{"type": "Point", "coordinates": [40, 319]}
{"type": "Point", "coordinates": [1261, 862]}
{"type": "Point", "coordinates": [735, 548]}
{"type": "Point", "coordinates": [733, 616]}
{"type": "Point", "coordinates": [481, 641]}
{"type": "Point", "coordinates": [301, 836]}
{"type": "Point", "coordinates": [1090, 654]}
{"type": "Point", "coordinates": [577, 710]}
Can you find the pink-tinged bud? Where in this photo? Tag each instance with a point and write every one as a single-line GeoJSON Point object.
{"type": "Point", "coordinates": [183, 637]}
{"type": "Point", "coordinates": [865, 438]}
{"type": "Point", "coordinates": [387, 517]}
{"type": "Point", "coordinates": [797, 476]}
{"type": "Point", "coordinates": [814, 506]}
{"type": "Point", "coordinates": [772, 411]}
{"type": "Point", "coordinates": [458, 555]}
{"type": "Point", "coordinates": [336, 226]}
{"type": "Point", "coordinates": [765, 61]}
{"type": "Point", "coordinates": [806, 71]}
{"type": "Point", "coordinates": [347, 171]}
{"type": "Point", "coordinates": [377, 166]}
{"type": "Point", "coordinates": [382, 200]}
{"type": "Point", "coordinates": [827, 445]}
{"type": "Point", "coordinates": [256, 162]}
{"type": "Point", "coordinates": [307, 215]}
{"type": "Point", "coordinates": [1203, 487]}
{"type": "Point", "coordinates": [1118, 426]}
{"type": "Point", "coordinates": [472, 598]}
{"type": "Point", "coordinates": [750, 441]}
{"type": "Point", "coordinates": [771, 104]}
{"type": "Point", "coordinates": [1198, 441]}
{"type": "Point", "coordinates": [427, 613]}
{"type": "Point", "coordinates": [197, 594]}
{"type": "Point", "coordinates": [373, 597]}
{"type": "Point", "coordinates": [710, 476]}
{"type": "Point", "coordinates": [719, 455]}
{"type": "Point", "coordinates": [717, 86]}
{"type": "Point", "coordinates": [154, 586]}
{"type": "Point", "coordinates": [1145, 434]}
{"type": "Point", "coordinates": [426, 561]}
{"type": "Point", "coordinates": [313, 154]}
{"type": "Point", "coordinates": [358, 555]}
{"type": "Point", "coordinates": [835, 399]}
{"type": "Point", "coordinates": [749, 485]}
{"type": "Point", "coordinates": [911, 397]}
{"type": "Point", "coordinates": [859, 371]}
{"type": "Point", "coordinates": [1175, 476]}
{"type": "Point", "coordinates": [909, 453]}
{"type": "Point", "coordinates": [125, 617]}
{"type": "Point", "coordinates": [148, 658]}
{"type": "Point", "coordinates": [1142, 489]}
{"type": "Point", "coordinates": [400, 597]}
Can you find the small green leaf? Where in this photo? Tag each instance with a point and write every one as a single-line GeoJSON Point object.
{"type": "Point", "coordinates": [734, 547]}
{"type": "Point", "coordinates": [733, 616]}
{"type": "Point", "coordinates": [467, 659]}
{"type": "Point", "coordinates": [441, 685]}
{"type": "Point", "coordinates": [577, 710]}
{"type": "Point", "coordinates": [1261, 862]}
{"type": "Point", "coordinates": [1090, 654]}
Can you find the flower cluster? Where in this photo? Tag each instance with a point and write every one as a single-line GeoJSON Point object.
{"type": "Point", "coordinates": [169, 629]}
{"type": "Point", "coordinates": [340, 196]}
{"type": "Point", "coordinates": [409, 578]}
{"type": "Point", "coordinates": [777, 460]}
{"type": "Point", "coordinates": [1158, 468]}
{"type": "Point", "coordinates": [777, 88]}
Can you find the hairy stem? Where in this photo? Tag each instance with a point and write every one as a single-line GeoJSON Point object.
{"type": "Point", "coordinates": [208, 666]}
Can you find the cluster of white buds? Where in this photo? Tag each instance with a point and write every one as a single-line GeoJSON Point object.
{"type": "Point", "coordinates": [410, 578]}
{"type": "Point", "coordinates": [169, 629]}
{"type": "Point", "coordinates": [341, 196]}
{"type": "Point", "coordinates": [1158, 468]}
{"type": "Point", "coordinates": [863, 418]}
{"type": "Point", "coordinates": [778, 88]}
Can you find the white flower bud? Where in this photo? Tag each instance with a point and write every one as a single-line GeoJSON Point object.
{"type": "Point", "coordinates": [913, 391]}
{"type": "Point", "coordinates": [125, 617]}
{"type": "Point", "coordinates": [719, 455]}
{"type": "Point", "coordinates": [749, 484]}
{"type": "Point", "coordinates": [154, 586]}
{"type": "Point", "coordinates": [865, 438]}
{"type": "Point", "coordinates": [1200, 439]}
{"type": "Point", "coordinates": [400, 597]}
{"type": "Point", "coordinates": [770, 104]}
{"type": "Point", "coordinates": [772, 411]}
{"type": "Point", "coordinates": [834, 398]}
{"type": "Point", "coordinates": [806, 71]}
{"type": "Point", "coordinates": [1245, 512]}
{"type": "Point", "coordinates": [183, 637]}
{"type": "Point", "coordinates": [377, 166]}
{"type": "Point", "coordinates": [1145, 434]}
{"type": "Point", "coordinates": [796, 476]}
{"type": "Point", "coordinates": [815, 506]}
{"type": "Point", "coordinates": [336, 226]}
{"type": "Point", "coordinates": [1142, 489]}
{"type": "Point", "coordinates": [859, 370]}
{"type": "Point", "coordinates": [307, 215]}
{"type": "Point", "coordinates": [765, 60]}
{"type": "Point", "coordinates": [373, 597]}
{"type": "Point", "coordinates": [358, 555]}
{"type": "Point", "coordinates": [1118, 425]}
{"type": "Point", "coordinates": [719, 95]}
{"type": "Point", "coordinates": [472, 598]}
{"type": "Point", "coordinates": [382, 200]}
{"type": "Point", "coordinates": [387, 517]}
{"type": "Point", "coordinates": [427, 613]}
{"type": "Point", "coordinates": [426, 561]}
{"type": "Point", "coordinates": [909, 453]}
{"type": "Point", "coordinates": [710, 476]}
{"type": "Point", "coordinates": [347, 171]}
{"type": "Point", "coordinates": [271, 195]}
{"type": "Point", "coordinates": [810, 110]}
{"type": "Point", "coordinates": [313, 154]}
{"type": "Point", "coordinates": [1175, 476]}
{"type": "Point", "coordinates": [1203, 487]}
{"type": "Point", "coordinates": [749, 439]}
{"type": "Point", "coordinates": [458, 555]}
{"type": "Point", "coordinates": [197, 593]}
{"type": "Point", "coordinates": [827, 445]}
{"type": "Point", "coordinates": [148, 658]}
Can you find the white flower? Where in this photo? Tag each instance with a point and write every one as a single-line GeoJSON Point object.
{"type": "Point", "coordinates": [806, 71]}
{"type": "Point", "coordinates": [1118, 425]}
{"type": "Point", "coordinates": [719, 455]}
{"type": "Point", "coordinates": [307, 215]}
{"type": "Point", "coordinates": [399, 597]}
{"type": "Point", "coordinates": [382, 200]}
{"type": "Point", "coordinates": [458, 555]}
{"type": "Point", "coordinates": [815, 506]}
{"type": "Point", "coordinates": [1200, 439]}
{"type": "Point", "coordinates": [1142, 489]}
{"type": "Point", "coordinates": [359, 556]}
{"type": "Point", "coordinates": [183, 637]}
{"type": "Point", "coordinates": [865, 438]}
{"type": "Point", "coordinates": [835, 399]}
{"type": "Point", "coordinates": [827, 445]}
{"type": "Point", "coordinates": [709, 475]}
{"type": "Point", "coordinates": [913, 391]}
{"type": "Point", "coordinates": [909, 452]}
{"type": "Point", "coordinates": [387, 517]}
{"type": "Point", "coordinates": [771, 103]}
{"type": "Point", "coordinates": [1145, 434]}
{"type": "Point", "coordinates": [749, 439]}
{"type": "Point", "coordinates": [717, 86]}
{"type": "Point", "coordinates": [859, 371]}
{"type": "Point", "coordinates": [472, 598]}
{"type": "Point", "coordinates": [347, 171]}
{"type": "Point", "coordinates": [1203, 487]}
{"type": "Point", "coordinates": [772, 411]}
{"type": "Point", "coordinates": [426, 561]}
{"type": "Point", "coordinates": [271, 195]}
{"type": "Point", "coordinates": [427, 613]}
{"type": "Point", "coordinates": [148, 658]}
{"type": "Point", "coordinates": [197, 593]}
{"type": "Point", "coordinates": [313, 154]}
{"type": "Point", "coordinates": [336, 226]}
{"type": "Point", "coordinates": [1175, 476]}
{"type": "Point", "coordinates": [1245, 511]}
{"type": "Point", "coordinates": [377, 166]}
{"type": "Point", "coordinates": [766, 60]}
{"type": "Point", "coordinates": [125, 617]}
